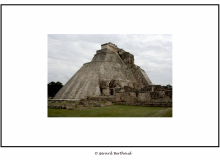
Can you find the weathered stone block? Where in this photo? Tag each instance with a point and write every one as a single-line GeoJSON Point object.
{"type": "Point", "coordinates": [154, 95]}
{"type": "Point", "coordinates": [161, 94]}
{"type": "Point", "coordinates": [97, 105]}
{"type": "Point", "coordinates": [69, 108]}
{"type": "Point", "coordinates": [118, 97]}
{"type": "Point", "coordinates": [128, 89]}
{"type": "Point", "coordinates": [108, 103]}
{"type": "Point", "coordinates": [106, 91]}
{"type": "Point", "coordinates": [144, 97]}
{"type": "Point", "coordinates": [168, 94]}
{"type": "Point", "coordinates": [126, 97]}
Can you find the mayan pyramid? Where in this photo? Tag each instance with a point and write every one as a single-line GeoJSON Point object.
{"type": "Point", "coordinates": [111, 68]}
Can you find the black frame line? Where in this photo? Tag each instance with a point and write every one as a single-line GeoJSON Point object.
{"type": "Point", "coordinates": [111, 5]}
{"type": "Point", "coordinates": [108, 4]}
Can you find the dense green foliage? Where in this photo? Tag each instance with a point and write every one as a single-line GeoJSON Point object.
{"type": "Point", "coordinates": [53, 88]}
{"type": "Point", "coordinates": [114, 111]}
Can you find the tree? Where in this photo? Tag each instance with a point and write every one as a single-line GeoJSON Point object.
{"type": "Point", "coordinates": [53, 88]}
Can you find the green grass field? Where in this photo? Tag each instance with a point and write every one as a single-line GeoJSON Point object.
{"type": "Point", "coordinates": [114, 111]}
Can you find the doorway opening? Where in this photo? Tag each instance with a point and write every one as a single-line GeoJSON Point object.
{"type": "Point", "coordinates": [111, 91]}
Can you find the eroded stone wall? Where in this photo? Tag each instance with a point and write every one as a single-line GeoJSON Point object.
{"type": "Point", "coordinates": [140, 78]}
{"type": "Point", "coordinates": [110, 48]}
{"type": "Point", "coordinates": [127, 57]}
{"type": "Point", "coordinates": [150, 94]}
{"type": "Point", "coordinates": [106, 55]}
{"type": "Point", "coordinates": [125, 97]}
{"type": "Point", "coordinates": [144, 97]}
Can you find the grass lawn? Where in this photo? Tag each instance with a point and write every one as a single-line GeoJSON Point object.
{"type": "Point", "coordinates": [114, 111]}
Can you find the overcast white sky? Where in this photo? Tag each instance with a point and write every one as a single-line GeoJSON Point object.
{"type": "Point", "coordinates": [68, 52]}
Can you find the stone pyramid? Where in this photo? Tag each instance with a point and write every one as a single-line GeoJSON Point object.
{"type": "Point", "coordinates": [111, 68]}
